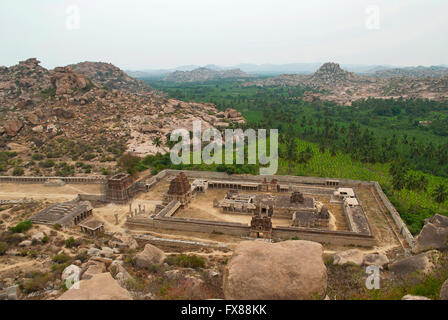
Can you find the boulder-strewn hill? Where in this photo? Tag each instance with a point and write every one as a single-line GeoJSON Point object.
{"type": "Point", "coordinates": [416, 72]}
{"type": "Point", "coordinates": [343, 87]}
{"type": "Point", "coordinates": [110, 76]}
{"type": "Point", "coordinates": [92, 116]}
{"type": "Point", "coordinates": [205, 74]}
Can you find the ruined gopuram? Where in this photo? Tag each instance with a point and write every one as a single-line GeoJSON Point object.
{"type": "Point", "coordinates": [180, 190]}
{"type": "Point", "coordinates": [261, 227]}
{"type": "Point", "coordinates": [119, 188]}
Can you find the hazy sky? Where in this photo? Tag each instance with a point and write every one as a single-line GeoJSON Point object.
{"type": "Point", "coordinates": [139, 34]}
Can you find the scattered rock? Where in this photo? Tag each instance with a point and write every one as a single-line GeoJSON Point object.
{"type": "Point", "coordinates": [107, 252]}
{"type": "Point", "coordinates": [12, 127]}
{"type": "Point", "coordinates": [38, 236]}
{"type": "Point", "coordinates": [25, 243]}
{"type": "Point", "coordinates": [149, 256]}
{"type": "Point", "coordinates": [376, 259]}
{"type": "Point", "coordinates": [353, 256]}
{"type": "Point", "coordinates": [444, 291]}
{"type": "Point", "coordinates": [99, 287]}
{"type": "Point", "coordinates": [423, 262]}
{"type": "Point", "coordinates": [94, 267]}
{"type": "Point", "coordinates": [94, 252]}
{"type": "Point", "coordinates": [285, 270]}
{"type": "Point", "coordinates": [434, 235]}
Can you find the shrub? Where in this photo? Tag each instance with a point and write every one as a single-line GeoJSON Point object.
{"type": "Point", "coordinates": [3, 248]}
{"type": "Point", "coordinates": [71, 242]}
{"type": "Point", "coordinates": [37, 281]}
{"type": "Point", "coordinates": [186, 261]}
{"type": "Point", "coordinates": [61, 258]}
{"type": "Point", "coordinates": [57, 226]}
{"type": "Point", "coordinates": [22, 226]}
{"type": "Point", "coordinates": [18, 171]}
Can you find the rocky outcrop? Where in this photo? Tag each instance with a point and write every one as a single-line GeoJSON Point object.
{"type": "Point", "coordinates": [149, 256]}
{"type": "Point", "coordinates": [66, 81]}
{"type": "Point", "coordinates": [292, 270]}
{"type": "Point", "coordinates": [353, 256]}
{"type": "Point", "coordinates": [422, 263]}
{"type": "Point", "coordinates": [434, 235]}
{"type": "Point", "coordinates": [444, 291]}
{"type": "Point", "coordinates": [12, 127]}
{"type": "Point", "coordinates": [108, 75]}
{"type": "Point", "coordinates": [99, 287]}
{"type": "Point", "coordinates": [376, 259]}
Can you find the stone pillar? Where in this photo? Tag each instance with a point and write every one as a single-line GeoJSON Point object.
{"type": "Point", "coordinates": [116, 218]}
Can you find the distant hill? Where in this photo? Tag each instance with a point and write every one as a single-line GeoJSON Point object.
{"type": "Point", "coordinates": [205, 74]}
{"type": "Point", "coordinates": [416, 72]}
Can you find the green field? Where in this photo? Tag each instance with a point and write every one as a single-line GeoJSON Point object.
{"type": "Point", "coordinates": [359, 142]}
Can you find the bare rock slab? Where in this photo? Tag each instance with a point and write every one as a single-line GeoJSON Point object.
{"type": "Point", "coordinates": [423, 263]}
{"type": "Point", "coordinates": [289, 270]}
{"type": "Point", "coordinates": [444, 291]}
{"type": "Point", "coordinates": [434, 235]}
{"type": "Point", "coordinates": [100, 287]}
{"type": "Point", "coordinates": [149, 256]}
{"type": "Point", "coordinates": [353, 256]}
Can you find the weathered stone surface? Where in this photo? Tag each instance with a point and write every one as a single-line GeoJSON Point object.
{"type": "Point", "coordinates": [99, 287]}
{"type": "Point", "coordinates": [292, 270]}
{"type": "Point", "coordinates": [12, 127]}
{"type": "Point", "coordinates": [120, 273]}
{"type": "Point", "coordinates": [38, 236]}
{"type": "Point", "coordinates": [354, 256]}
{"type": "Point", "coordinates": [107, 252]}
{"type": "Point", "coordinates": [95, 252]}
{"type": "Point", "coordinates": [25, 243]}
{"type": "Point", "coordinates": [411, 297]}
{"type": "Point", "coordinates": [423, 262]}
{"type": "Point", "coordinates": [444, 291]}
{"type": "Point", "coordinates": [94, 267]}
{"type": "Point", "coordinates": [149, 256]}
{"type": "Point", "coordinates": [124, 240]}
{"type": "Point", "coordinates": [376, 259]}
{"type": "Point", "coordinates": [434, 235]}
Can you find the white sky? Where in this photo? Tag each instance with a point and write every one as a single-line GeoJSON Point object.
{"type": "Point", "coordinates": [139, 34]}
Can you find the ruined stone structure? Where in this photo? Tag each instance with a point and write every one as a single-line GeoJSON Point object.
{"type": "Point", "coordinates": [261, 227]}
{"type": "Point", "coordinates": [92, 227]}
{"type": "Point", "coordinates": [310, 219]}
{"type": "Point", "coordinates": [120, 188]}
{"type": "Point", "coordinates": [284, 206]}
{"type": "Point", "coordinates": [65, 214]}
{"type": "Point", "coordinates": [180, 190]}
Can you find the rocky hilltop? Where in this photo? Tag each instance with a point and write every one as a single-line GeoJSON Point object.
{"type": "Point", "coordinates": [204, 74]}
{"type": "Point", "coordinates": [83, 121]}
{"type": "Point", "coordinates": [332, 83]}
{"type": "Point", "coordinates": [108, 75]}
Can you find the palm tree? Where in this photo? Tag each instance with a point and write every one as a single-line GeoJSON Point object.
{"type": "Point", "coordinates": [440, 194]}
{"type": "Point", "coordinates": [157, 142]}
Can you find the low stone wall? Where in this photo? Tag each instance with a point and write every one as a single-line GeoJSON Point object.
{"type": "Point", "coordinates": [17, 201]}
{"type": "Point", "coordinates": [42, 180]}
{"type": "Point", "coordinates": [325, 237]}
{"type": "Point", "coordinates": [404, 231]}
{"type": "Point", "coordinates": [92, 197]}
{"type": "Point", "coordinates": [281, 179]}
{"type": "Point", "coordinates": [242, 230]}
